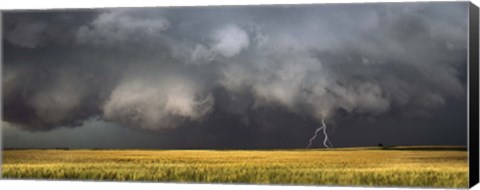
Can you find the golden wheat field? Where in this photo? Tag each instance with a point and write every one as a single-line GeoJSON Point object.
{"type": "Point", "coordinates": [434, 167]}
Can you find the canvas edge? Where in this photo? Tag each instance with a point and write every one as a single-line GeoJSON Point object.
{"type": "Point", "coordinates": [473, 90]}
{"type": "Point", "coordinates": [1, 94]}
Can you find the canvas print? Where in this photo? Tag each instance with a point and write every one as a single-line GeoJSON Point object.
{"type": "Point", "coordinates": [370, 94]}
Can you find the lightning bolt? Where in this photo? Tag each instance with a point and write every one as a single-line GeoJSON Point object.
{"type": "Point", "coordinates": [324, 128]}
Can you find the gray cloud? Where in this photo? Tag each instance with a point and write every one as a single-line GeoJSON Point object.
{"type": "Point", "coordinates": [26, 34]}
{"type": "Point", "coordinates": [230, 40]}
{"type": "Point", "coordinates": [171, 68]}
{"type": "Point", "coordinates": [157, 104]}
{"type": "Point", "coordinates": [118, 27]}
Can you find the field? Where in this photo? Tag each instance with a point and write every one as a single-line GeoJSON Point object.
{"type": "Point", "coordinates": [399, 166]}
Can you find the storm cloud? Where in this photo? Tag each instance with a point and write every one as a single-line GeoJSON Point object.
{"type": "Point", "coordinates": [211, 68]}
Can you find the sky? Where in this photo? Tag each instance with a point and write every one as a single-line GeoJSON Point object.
{"type": "Point", "coordinates": [236, 77]}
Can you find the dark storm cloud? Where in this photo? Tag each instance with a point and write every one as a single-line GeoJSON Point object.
{"type": "Point", "coordinates": [221, 72]}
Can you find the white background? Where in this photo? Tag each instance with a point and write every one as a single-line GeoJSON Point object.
{"type": "Point", "coordinates": [82, 185]}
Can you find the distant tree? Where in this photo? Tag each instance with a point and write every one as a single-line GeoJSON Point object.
{"type": "Point", "coordinates": [380, 144]}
